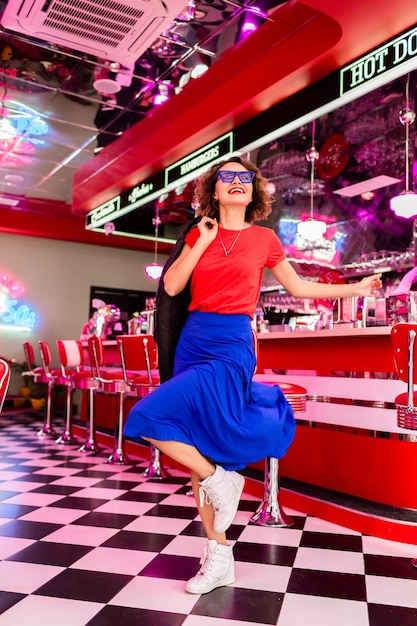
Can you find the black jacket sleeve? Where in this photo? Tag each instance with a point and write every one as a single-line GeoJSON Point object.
{"type": "Point", "coordinates": [171, 312]}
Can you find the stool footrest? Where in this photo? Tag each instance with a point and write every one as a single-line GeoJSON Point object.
{"type": "Point", "coordinates": [406, 418]}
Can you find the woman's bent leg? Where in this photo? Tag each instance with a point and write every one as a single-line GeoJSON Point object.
{"type": "Point", "coordinates": [186, 455]}
{"type": "Point", "coordinates": [217, 486]}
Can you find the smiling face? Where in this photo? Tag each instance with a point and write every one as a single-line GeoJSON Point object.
{"type": "Point", "coordinates": [235, 191]}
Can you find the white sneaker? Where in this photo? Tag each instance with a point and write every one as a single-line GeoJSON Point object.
{"type": "Point", "coordinates": [217, 569]}
{"type": "Point", "coordinates": [222, 490]}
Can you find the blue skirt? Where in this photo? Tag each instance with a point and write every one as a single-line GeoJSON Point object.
{"type": "Point", "coordinates": [212, 402]}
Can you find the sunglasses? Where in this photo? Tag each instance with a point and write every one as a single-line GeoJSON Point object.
{"type": "Point", "coordinates": [227, 176]}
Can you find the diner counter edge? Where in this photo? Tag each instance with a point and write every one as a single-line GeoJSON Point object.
{"type": "Point", "coordinates": [347, 444]}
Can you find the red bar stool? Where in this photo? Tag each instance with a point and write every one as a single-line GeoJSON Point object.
{"type": "Point", "coordinates": [71, 355]}
{"type": "Point", "coordinates": [110, 381]}
{"type": "Point", "coordinates": [53, 377]}
{"type": "Point", "coordinates": [139, 358]}
{"type": "Point", "coordinates": [270, 512]}
{"type": "Point", "coordinates": [41, 375]}
{"type": "Point", "coordinates": [403, 339]}
{"type": "Point", "coordinates": [4, 380]}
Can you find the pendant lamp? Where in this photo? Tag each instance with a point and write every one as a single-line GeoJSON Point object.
{"type": "Point", "coordinates": [154, 270]}
{"type": "Point", "coordinates": [312, 229]}
{"type": "Point", "coordinates": [405, 204]}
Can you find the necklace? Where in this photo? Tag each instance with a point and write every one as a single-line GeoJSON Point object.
{"type": "Point", "coordinates": [227, 252]}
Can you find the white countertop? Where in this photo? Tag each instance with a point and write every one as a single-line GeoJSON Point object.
{"type": "Point", "coordinates": [339, 330]}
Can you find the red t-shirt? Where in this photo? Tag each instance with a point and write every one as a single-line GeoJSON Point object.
{"type": "Point", "coordinates": [231, 284]}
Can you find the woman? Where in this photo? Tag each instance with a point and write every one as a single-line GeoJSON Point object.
{"type": "Point", "coordinates": [211, 417]}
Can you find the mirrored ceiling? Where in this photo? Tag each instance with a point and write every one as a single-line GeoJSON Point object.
{"type": "Point", "coordinates": [60, 106]}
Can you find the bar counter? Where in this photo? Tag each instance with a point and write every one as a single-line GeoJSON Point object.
{"type": "Point", "coordinates": [348, 449]}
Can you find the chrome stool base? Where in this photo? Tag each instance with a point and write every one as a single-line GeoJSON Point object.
{"type": "Point", "coordinates": [47, 431]}
{"type": "Point", "coordinates": [269, 512]}
{"type": "Point", "coordinates": [118, 457]}
{"type": "Point", "coordinates": [89, 446]}
{"type": "Point", "coordinates": [272, 515]}
{"type": "Point", "coordinates": [66, 439]}
{"type": "Point", "coordinates": [155, 468]}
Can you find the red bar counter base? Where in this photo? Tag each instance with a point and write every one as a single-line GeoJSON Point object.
{"type": "Point", "coordinates": [366, 468]}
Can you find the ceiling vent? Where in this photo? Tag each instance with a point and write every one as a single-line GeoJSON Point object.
{"type": "Point", "coordinates": [115, 30]}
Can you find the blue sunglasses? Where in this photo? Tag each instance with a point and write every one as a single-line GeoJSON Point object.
{"type": "Point", "coordinates": [227, 176]}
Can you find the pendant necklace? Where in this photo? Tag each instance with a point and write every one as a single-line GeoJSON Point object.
{"type": "Point", "coordinates": [227, 252]}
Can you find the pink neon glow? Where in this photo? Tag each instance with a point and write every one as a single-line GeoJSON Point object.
{"type": "Point", "coordinates": [160, 99]}
{"type": "Point", "coordinates": [12, 287]}
{"type": "Point", "coordinates": [248, 28]}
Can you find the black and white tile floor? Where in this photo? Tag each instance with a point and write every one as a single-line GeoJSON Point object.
{"type": "Point", "coordinates": [84, 542]}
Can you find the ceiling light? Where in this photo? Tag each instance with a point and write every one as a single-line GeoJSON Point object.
{"type": "Point", "coordinates": [8, 201]}
{"type": "Point", "coordinates": [198, 70]}
{"type": "Point", "coordinates": [106, 86]}
{"type": "Point", "coordinates": [367, 195]}
{"type": "Point", "coordinates": [163, 93]}
{"type": "Point", "coordinates": [405, 204]}
{"type": "Point", "coordinates": [154, 271]}
{"type": "Point", "coordinates": [160, 99]}
{"type": "Point", "coordinates": [248, 28]}
{"type": "Point", "coordinates": [13, 178]}
{"type": "Point", "coordinates": [312, 229]}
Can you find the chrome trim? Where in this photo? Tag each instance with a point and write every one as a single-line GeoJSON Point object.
{"type": "Point", "coordinates": [374, 404]}
{"type": "Point", "coordinates": [353, 430]}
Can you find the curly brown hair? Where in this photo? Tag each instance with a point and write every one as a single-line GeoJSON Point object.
{"type": "Point", "coordinates": [257, 210]}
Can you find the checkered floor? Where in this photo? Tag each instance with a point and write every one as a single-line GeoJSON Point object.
{"type": "Point", "coordinates": [84, 542]}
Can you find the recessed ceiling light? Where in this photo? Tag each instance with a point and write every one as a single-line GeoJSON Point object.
{"type": "Point", "coordinates": [8, 201]}
{"type": "Point", "coordinates": [367, 185]}
{"type": "Point", "coordinates": [106, 85]}
{"type": "Point", "coordinates": [13, 178]}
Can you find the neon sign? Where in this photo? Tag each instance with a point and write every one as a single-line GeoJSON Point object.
{"type": "Point", "coordinates": [199, 159]}
{"type": "Point", "coordinates": [14, 315]}
{"type": "Point", "coordinates": [391, 54]}
{"type": "Point", "coordinates": [126, 202]}
{"type": "Point", "coordinates": [177, 174]}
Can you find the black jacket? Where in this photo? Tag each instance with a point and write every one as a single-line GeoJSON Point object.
{"type": "Point", "coordinates": [171, 312]}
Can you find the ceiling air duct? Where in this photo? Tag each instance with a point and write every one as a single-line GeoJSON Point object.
{"type": "Point", "coordinates": [114, 30]}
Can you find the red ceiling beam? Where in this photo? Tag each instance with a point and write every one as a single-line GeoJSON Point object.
{"type": "Point", "coordinates": [22, 222]}
{"type": "Point", "coordinates": [221, 99]}
{"type": "Point", "coordinates": [303, 42]}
